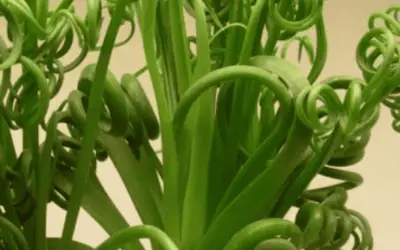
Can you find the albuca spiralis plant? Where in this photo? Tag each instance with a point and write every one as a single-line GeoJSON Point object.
{"type": "Point", "coordinates": [243, 130]}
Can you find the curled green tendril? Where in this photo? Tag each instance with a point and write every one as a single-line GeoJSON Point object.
{"type": "Point", "coordinates": [304, 42]}
{"type": "Point", "coordinates": [57, 38]}
{"type": "Point", "coordinates": [264, 232]}
{"type": "Point", "coordinates": [305, 13]}
{"type": "Point", "coordinates": [126, 235]}
{"type": "Point", "coordinates": [15, 233]}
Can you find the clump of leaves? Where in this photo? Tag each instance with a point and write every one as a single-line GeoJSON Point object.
{"type": "Point", "coordinates": [243, 130]}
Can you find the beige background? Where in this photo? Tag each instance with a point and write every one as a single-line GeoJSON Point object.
{"type": "Point", "coordinates": [378, 198]}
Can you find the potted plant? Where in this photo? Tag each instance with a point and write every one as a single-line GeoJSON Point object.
{"type": "Point", "coordinates": [243, 130]}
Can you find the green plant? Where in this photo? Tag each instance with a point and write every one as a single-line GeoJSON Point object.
{"type": "Point", "coordinates": [243, 130]}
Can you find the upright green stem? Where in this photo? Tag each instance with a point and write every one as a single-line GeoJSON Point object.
{"type": "Point", "coordinates": [218, 172]}
{"type": "Point", "coordinates": [242, 95]}
{"type": "Point", "coordinates": [42, 8]}
{"type": "Point", "coordinates": [165, 48]}
{"type": "Point", "coordinates": [44, 184]}
{"type": "Point", "coordinates": [322, 51]}
{"type": "Point", "coordinates": [93, 117]}
{"type": "Point", "coordinates": [172, 217]}
{"type": "Point", "coordinates": [195, 202]}
{"type": "Point", "coordinates": [31, 142]}
{"type": "Point", "coordinates": [180, 44]}
{"type": "Point", "coordinates": [31, 133]}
